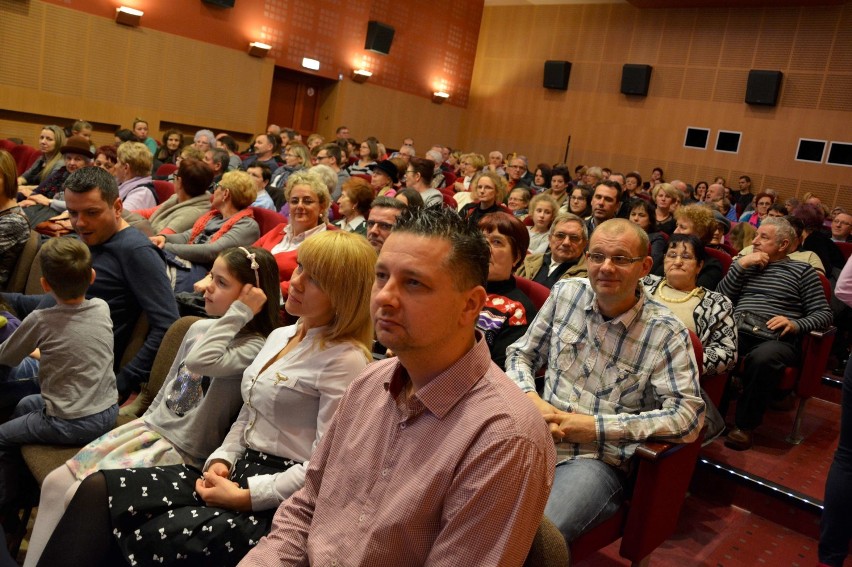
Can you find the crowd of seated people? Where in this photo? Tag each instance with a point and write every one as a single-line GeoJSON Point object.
{"type": "Point", "coordinates": [591, 239]}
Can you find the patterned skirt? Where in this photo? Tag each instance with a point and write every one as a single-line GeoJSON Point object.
{"type": "Point", "coordinates": [158, 518]}
{"type": "Point", "coordinates": [133, 444]}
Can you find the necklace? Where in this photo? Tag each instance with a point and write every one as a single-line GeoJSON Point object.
{"type": "Point", "coordinates": [684, 299]}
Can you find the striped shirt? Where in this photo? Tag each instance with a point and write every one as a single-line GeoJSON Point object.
{"type": "Point", "coordinates": [636, 373]}
{"type": "Point", "coordinates": [457, 474]}
{"type": "Point", "coordinates": [786, 287]}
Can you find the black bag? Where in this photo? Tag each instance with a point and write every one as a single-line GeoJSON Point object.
{"type": "Point", "coordinates": [754, 325]}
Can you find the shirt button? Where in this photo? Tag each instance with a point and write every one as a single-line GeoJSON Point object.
{"type": "Point", "coordinates": [385, 472]}
{"type": "Point", "coordinates": [360, 518]}
{"type": "Point", "coordinates": [402, 426]}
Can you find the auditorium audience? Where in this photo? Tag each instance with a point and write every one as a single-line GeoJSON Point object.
{"type": "Point", "coordinates": [700, 221]}
{"type": "Point", "coordinates": [755, 216]}
{"type": "Point", "coordinates": [606, 201]}
{"type": "Point", "coordinates": [106, 159]}
{"type": "Point", "coordinates": [229, 223]}
{"type": "Point", "coordinates": [667, 198]}
{"type": "Point", "coordinates": [297, 157]}
{"type": "Point", "coordinates": [841, 227]}
{"type": "Point", "coordinates": [261, 175]}
{"type": "Point", "coordinates": [290, 392]}
{"type": "Point", "coordinates": [182, 424]}
{"type": "Point", "coordinates": [332, 155]}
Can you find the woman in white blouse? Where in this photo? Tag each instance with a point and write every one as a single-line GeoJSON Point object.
{"type": "Point", "coordinates": [290, 393]}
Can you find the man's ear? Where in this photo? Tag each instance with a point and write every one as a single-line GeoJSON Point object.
{"type": "Point", "coordinates": [647, 263]}
{"type": "Point", "coordinates": [44, 285]}
{"type": "Point", "coordinates": [785, 247]}
{"type": "Point", "coordinates": [93, 277]}
{"type": "Point", "coordinates": [118, 207]}
{"type": "Point", "coordinates": [474, 302]}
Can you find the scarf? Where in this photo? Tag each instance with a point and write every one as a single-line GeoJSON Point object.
{"type": "Point", "coordinates": [199, 225]}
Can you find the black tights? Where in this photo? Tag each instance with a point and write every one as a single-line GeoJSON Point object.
{"type": "Point", "coordinates": [84, 534]}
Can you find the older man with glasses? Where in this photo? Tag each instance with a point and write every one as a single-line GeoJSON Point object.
{"type": "Point", "coordinates": [564, 257]}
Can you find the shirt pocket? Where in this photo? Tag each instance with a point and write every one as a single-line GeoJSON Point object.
{"type": "Point", "coordinates": [622, 387]}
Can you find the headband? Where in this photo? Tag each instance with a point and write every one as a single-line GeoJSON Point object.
{"type": "Point", "coordinates": [254, 265]}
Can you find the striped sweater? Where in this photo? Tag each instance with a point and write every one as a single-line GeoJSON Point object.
{"type": "Point", "coordinates": [786, 287]}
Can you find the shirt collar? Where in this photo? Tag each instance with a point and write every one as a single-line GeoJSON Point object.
{"type": "Point", "coordinates": [444, 391]}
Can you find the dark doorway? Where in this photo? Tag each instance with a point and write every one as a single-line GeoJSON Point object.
{"type": "Point", "coordinates": [295, 100]}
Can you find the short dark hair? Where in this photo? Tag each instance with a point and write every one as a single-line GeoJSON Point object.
{"type": "Point", "coordinates": [691, 240]}
{"type": "Point", "coordinates": [415, 201]}
{"type": "Point", "coordinates": [221, 157]}
{"type": "Point", "coordinates": [265, 171]}
{"type": "Point", "coordinates": [650, 210]}
{"type": "Point", "coordinates": [388, 203]}
{"type": "Point", "coordinates": [333, 150]}
{"type": "Point", "coordinates": [230, 143]}
{"type": "Point", "coordinates": [797, 225]}
{"type": "Point", "coordinates": [125, 135]}
{"type": "Point", "coordinates": [561, 171]}
{"type": "Point", "coordinates": [66, 264]}
{"type": "Point", "coordinates": [746, 177]}
{"type": "Point", "coordinates": [425, 167]}
{"type": "Point", "coordinates": [510, 227]}
{"type": "Point", "coordinates": [87, 178]}
{"type": "Point", "coordinates": [469, 251]}
{"type": "Point", "coordinates": [612, 185]}
{"type": "Point", "coordinates": [635, 175]}
{"type": "Point", "coordinates": [274, 140]}
{"type": "Point", "coordinates": [195, 176]}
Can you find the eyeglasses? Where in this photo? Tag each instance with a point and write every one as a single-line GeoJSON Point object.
{"type": "Point", "coordinates": [410, 171]}
{"type": "Point", "coordinates": [686, 257]}
{"type": "Point", "coordinates": [574, 238]}
{"type": "Point", "coordinates": [381, 225]}
{"type": "Point", "coordinates": [319, 157]}
{"type": "Point", "coordinates": [306, 201]}
{"type": "Point", "coordinates": [517, 167]}
{"type": "Point", "coordinates": [598, 258]}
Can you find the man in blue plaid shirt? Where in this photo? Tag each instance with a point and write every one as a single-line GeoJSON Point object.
{"type": "Point", "coordinates": [620, 370]}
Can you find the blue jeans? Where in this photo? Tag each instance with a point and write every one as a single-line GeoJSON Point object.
{"type": "Point", "coordinates": [585, 493]}
{"type": "Point", "coordinates": [18, 382]}
{"type": "Point", "coordinates": [31, 424]}
{"type": "Point", "coordinates": [836, 524]}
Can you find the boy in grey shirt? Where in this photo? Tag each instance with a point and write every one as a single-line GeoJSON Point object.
{"type": "Point", "coordinates": [74, 338]}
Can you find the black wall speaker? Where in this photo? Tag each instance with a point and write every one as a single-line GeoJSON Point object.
{"type": "Point", "coordinates": [763, 87]}
{"type": "Point", "coordinates": [220, 3]}
{"type": "Point", "coordinates": [379, 37]}
{"type": "Point", "coordinates": [635, 79]}
{"type": "Point", "coordinates": [556, 74]}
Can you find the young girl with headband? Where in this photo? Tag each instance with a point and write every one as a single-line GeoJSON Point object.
{"type": "Point", "coordinates": [200, 396]}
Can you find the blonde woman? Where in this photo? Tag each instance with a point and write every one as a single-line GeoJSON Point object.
{"type": "Point", "coordinates": [50, 140]}
{"type": "Point", "coordinates": [667, 198]}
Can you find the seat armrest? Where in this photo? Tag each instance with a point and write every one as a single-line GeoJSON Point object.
{"type": "Point", "coordinates": [653, 450]}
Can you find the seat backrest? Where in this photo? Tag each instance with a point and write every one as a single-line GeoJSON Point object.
{"type": "Point", "coordinates": [548, 547]}
{"type": "Point", "coordinates": [723, 257]}
{"type": "Point", "coordinates": [698, 348]}
{"type": "Point", "coordinates": [534, 290]}
{"type": "Point", "coordinates": [845, 248]}
{"type": "Point", "coordinates": [166, 169]}
{"type": "Point", "coordinates": [266, 219]}
{"type": "Point", "coordinates": [167, 352]}
{"type": "Point", "coordinates": [826, 286]}
{"type": "Point", "coordinates": [33, 285]}
{"type": "Point", "coordinates": [24, 157]}
{"type": "Point", "coordinates": [164, 190]}
{"type": "Point", "coordinates": [18, 278]}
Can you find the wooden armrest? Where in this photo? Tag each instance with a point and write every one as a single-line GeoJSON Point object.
{"type": "Point", "coordinates": [653, 450]}
{"type": "Point", "coordinates": [824, 333]}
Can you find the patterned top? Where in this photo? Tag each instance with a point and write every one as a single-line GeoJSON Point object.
{"type": "Point", "coordinates": [14, 233]}
{"type": "Point", "coordinates": [457, 474]}
{"type": "Point", "coordinates": [786, 287]}
{"type": "Point", "coordinates": [636, 373]}
{"type": "Point", "coordinates": [714, 325]}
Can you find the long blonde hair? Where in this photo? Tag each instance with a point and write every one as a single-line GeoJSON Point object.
{"type": "Point", "coordinates": [343, 266]}
{"type": "Point", "coordinates": [51, 159]}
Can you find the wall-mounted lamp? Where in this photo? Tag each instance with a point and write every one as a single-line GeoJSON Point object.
{"type": "Point", "coordinates": [361, 75]}
{"type": "Point", "coordinates": [439, 97]}
{"type": "Point", "coordinates": [128, 16]}
{"type": "Point", "coordinates": [258, 49]}
{"type": "Point", "coordinates": [311, 64]}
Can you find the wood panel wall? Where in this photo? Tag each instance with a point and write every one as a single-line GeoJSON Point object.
{"type": "Point", "coordinates": [701, 59]}
{"type": "Point", "coordinates": [110, 74]}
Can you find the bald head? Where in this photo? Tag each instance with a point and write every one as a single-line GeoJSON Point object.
{"type": "Point", "coordinates": [715, 192]}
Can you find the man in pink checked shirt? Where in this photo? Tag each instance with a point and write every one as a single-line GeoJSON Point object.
{"type": "Point", "coordinates": [434, 457]}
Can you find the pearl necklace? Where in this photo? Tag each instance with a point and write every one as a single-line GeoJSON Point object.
{"type": "Point", "coordinates": [684, 299]}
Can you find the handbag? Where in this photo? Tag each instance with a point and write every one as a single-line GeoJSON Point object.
{"type": "Point", "coordinates": [754, 325]}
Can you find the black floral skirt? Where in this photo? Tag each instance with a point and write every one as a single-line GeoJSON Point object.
{"type": "Point", "coordinates": [159, 519]}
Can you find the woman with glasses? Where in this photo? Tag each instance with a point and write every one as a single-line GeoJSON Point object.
{"type": "Point", "coordinates": [762, 203]}
{"type": "Point", "coordinates": [707, 313]}
{"type": "Point", "coordinates": [180, 211]}
{"type": "Point", "coordinates": [508, 311]}
{"type": "Point", "coordinates": [308, 199]}
{"type": "Point", "coordinates": [470, 166]}
{"type": "Point", "coordinates": [230, 222]}
{"type": "Point", "coordinates": [489, 194]}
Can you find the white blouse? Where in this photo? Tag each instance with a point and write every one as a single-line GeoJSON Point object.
{"type": "Point", "coordinates": [288, 407]}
